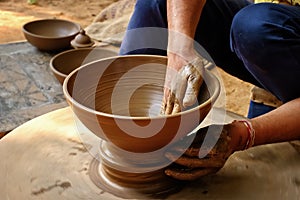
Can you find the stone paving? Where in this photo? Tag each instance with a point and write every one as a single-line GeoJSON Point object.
{"type": "Point", "coordinates": [27, 86]}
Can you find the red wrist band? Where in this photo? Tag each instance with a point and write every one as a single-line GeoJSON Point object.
{"type": "Point", "coordinates": [251, 134]}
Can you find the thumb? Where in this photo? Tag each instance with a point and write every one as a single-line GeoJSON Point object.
{"type": "Point", "coordinates": [193, 86]}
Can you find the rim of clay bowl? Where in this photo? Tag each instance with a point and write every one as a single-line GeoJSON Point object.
{"type": "Point", "coordinates": [211, 99]}
{"type": "Point", "coordinates": [48, 37]}
{"type": "Point", "coordinates": [71, 50]}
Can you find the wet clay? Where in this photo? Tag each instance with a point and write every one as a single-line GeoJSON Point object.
{"type": "Point", "coordinates": [152, 184]}
{"type": "Point", "coordinates": [119, 100]}
{"type": "Point", "coordinates": [82, 40]}
{"type": "Point", "coordinates": [62, 64]}
{"type": "Point", "coordinates": [51, 34]}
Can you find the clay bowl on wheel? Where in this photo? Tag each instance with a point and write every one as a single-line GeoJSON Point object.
{"type": "Point", "coordinates": [65, 62]}
{"type": "Point", "coordinates": [119, 100]}
{"type": "Point", "coordinates": [51, 34]}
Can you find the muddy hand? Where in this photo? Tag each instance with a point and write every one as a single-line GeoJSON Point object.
{"type": "Point", "coordinates": [184, 87]}
{"type": "Point", "coordinates": [202, 157]}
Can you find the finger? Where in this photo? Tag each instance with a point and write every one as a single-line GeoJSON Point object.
{"type": "Point", "coordinates": [170, 74]}
{"type": "Point", "coordinates": [168, 98]}
{"type": "Point", "coordinates": [180, 88]}
{"type": "Point", "coordinates": [193, 87]}
{"type": "Point", "coordinates": [176, 152]}
{"type": "Point", "coordinates": [194, 162]}
{"type": "Point", "coordinates": [191, 145]}
{"type": "Point", "coordinates": [193, 151]}
{"type": "Point", "coordinates": [164, 101]}
{"type": "Point", "coordinates": [195, 71]}
{"type": "Point", "coordinates": [191, 174]}
{"type": "Point", "coordinates": [176, 107]}
{"type": "Point", "coordinates": [170, 103]}
{"type": "Point", "coordinates": [163, 108]}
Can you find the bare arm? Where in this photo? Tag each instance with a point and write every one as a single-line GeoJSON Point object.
{"type": "Point", "coordinates": [183, 17]}
{"type": "Point", "coordinates": [282, 124]}
{"type": "Point", "coordinates": [279, 125]}
{"type": "Point", "coordinates": [182, 83]}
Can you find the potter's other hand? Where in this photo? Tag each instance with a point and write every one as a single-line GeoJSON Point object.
{"type": "Point", "coordinates": [182, 86]}
{"type": "Point", "coordinates": [203, 156]}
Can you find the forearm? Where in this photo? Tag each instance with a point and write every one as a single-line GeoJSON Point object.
{"type": "Point", "coordinates": [183, 17]}
{"type": "Point", "coordinates": [279, 125]}
{"type": "Point", "coordinates": [182, 81]}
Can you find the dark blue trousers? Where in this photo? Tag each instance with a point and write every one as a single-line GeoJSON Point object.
{"type": "Point", "coordinates": [258, 43]}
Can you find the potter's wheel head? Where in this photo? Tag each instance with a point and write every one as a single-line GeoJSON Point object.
{"type": "Point", "coordinates": [119, 100]}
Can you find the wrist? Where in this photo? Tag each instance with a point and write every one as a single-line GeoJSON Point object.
{"type": "Point", "coordinates": [182, 45]}
{"type": "Point", "coordinates": [242, 134]}
{"type": "Point", "coordinates": [251, 133]}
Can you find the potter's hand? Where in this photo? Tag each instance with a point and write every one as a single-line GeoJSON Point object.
{"type": "Point", "coordinates": [182, 86]}
{"type": "Point", "coordinates": [202, 157]}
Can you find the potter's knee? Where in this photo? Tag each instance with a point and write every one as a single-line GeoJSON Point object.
{"type": "Point", "coordinates": [146, 6]}
{"type": "Point", "coordinates": [249, 25]}
{"type": "Point", "coordinates": [250, 31]}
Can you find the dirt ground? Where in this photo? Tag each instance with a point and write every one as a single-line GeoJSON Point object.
{"type": "Point", "coordinates": [14, 13]}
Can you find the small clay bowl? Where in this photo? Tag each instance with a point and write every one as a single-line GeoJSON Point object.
{"type": "Point", "coordinates": [65, 62]}
{"type": "Point", "coordinates": [51, 34]}
{"type": "Point", "coordinates": [119, 100]}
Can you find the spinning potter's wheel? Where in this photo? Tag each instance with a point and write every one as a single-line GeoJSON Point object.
{"type": "Point", "coordinates": [119, 100]}
{"type": "Point", "coordinates": [46, 158]}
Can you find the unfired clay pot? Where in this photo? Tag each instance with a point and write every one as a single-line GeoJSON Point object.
{"type": "Point", "coordinates": [119, 100]}
{"type": "Point", "coordinates": [82, 40]}
{"type": "Point", "coordinates": [51, 34]}
{"type": "Point", "coordinates": [65, 62]}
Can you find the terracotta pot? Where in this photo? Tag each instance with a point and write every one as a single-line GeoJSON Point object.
{"type": "Point", "coordinates": [119, 100]}
{"type": "Point", "coordinates": [51, 34]}
{"type": "Point", "coordinates": [65, 62]}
